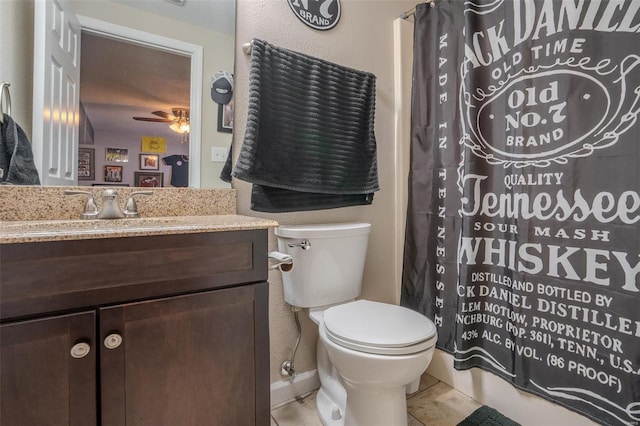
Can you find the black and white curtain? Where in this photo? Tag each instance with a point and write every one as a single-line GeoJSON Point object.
{"type": "Point", "coordinates": [523, 227]}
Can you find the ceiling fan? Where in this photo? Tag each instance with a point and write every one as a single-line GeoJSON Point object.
{"type": "Point", "coordinates": [179, 119]}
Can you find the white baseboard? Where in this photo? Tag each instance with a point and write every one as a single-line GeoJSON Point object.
{"type": "Point", "coordinates": [285, 391]}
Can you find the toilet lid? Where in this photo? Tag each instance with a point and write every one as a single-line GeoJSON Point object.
{"type": "Point", "coordinates": [379, 328]}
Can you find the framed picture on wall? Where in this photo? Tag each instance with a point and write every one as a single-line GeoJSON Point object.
{"type": "Point", "coordinates": [149, 162]}
{"type": "Point", "coordinates": [86, 164]}
{"type": "Point", "coordinates": [113, 173]}
{"type": "Point", "coordinates": [225, 117]}
{"type": "Point", "coordinates": [153, 144]}
{"type": "Point", "coordinates": [148, 179]}
{"type": "Point", "coordinates": [117, 155]}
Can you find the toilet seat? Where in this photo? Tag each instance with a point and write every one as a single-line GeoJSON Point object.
{"type": "Point", "coordinates": [379, 328]}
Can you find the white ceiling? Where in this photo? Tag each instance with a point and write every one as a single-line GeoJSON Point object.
{"type": "Point", "coordinates": [218, 14]}
{"type": "Point", "coordinates": [121, 80]}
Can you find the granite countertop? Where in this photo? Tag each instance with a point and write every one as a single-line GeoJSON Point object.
{"type": "Point", "coordinates": [12, 232]}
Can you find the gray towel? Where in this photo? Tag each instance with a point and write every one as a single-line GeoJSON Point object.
{"type": "Point", "coordinates": [16, 158]}
{"type": "Point", "coordinates": [309, 142]}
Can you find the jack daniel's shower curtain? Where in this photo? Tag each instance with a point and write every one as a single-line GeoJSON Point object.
{"type": "Point", "coordinates": [523, 228]}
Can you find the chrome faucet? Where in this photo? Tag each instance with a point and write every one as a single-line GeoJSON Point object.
{"type": "Point", "coordinates": [90, 209]}
{"type": "Point", "coordinates": [110, 208]}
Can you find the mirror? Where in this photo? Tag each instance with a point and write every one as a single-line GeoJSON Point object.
{"type": "Point", "coordinates": [208, 24]}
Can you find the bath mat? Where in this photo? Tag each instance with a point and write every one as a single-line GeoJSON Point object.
{"type": "Point", "coordinates": [487, 416]}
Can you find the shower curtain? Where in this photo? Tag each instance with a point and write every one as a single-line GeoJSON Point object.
{"type": "Point", "coordinates": [523, 224]}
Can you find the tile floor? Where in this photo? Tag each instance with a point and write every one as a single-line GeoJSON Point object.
{"type": "Point", "coordinates": [435, 404]}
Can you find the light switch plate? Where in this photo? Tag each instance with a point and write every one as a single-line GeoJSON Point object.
{"type": "Point", "coordinates": [219, 155]}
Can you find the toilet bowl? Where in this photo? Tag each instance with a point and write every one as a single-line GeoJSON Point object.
{"type": "Point", "coordinates": [373, 363]}
{"type": "Point", "coordinates": [368, 352]}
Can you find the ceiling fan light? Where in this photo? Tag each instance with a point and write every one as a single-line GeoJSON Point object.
{"type": "Point", "coordinates": [179, 127]}
{"type": "Point", "coordinates": [175, 127]}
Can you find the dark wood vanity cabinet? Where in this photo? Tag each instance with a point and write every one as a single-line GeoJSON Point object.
{"type": "Point", "coordinates": [41, 383]}
{"type": "Point", "coordinates": [176, 328]}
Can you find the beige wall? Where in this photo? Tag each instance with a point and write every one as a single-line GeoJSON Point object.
{"type": "Point", "coordinates": [363, 39]}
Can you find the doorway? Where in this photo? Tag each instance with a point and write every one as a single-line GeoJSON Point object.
{"type": "Point", "coordinates": [165, 87]}
{"type": "Point", "coordinates": [131, 94]}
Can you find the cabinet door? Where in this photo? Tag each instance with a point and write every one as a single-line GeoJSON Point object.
{"type": "Point", "coordinates": [47, 377]}
{"type": "Point", "coordinates": [184, 360]}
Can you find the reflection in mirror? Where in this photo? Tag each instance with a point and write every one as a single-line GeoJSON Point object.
{"type": "Point", "coordinates": [208, 24]}
{"type": "Point", "coordinates": [134, 100]}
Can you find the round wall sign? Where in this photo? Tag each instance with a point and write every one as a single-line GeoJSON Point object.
{"type": "Point", "coordinates": [318, 14]}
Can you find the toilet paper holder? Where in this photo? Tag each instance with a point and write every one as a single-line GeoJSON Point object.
{"type": "Point", "coordinates": [282, 261]}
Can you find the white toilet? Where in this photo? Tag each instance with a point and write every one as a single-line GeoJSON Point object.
{"type": "Point", "coordinates": [369, 353]}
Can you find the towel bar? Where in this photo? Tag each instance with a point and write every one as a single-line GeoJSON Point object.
{"type": "Point", "coordinates": [246, 48]}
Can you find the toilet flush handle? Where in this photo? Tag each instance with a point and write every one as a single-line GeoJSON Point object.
{"type": "Point", "coordinates": [304, 245]}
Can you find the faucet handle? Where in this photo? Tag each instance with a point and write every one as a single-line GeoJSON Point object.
{"type": "Point", "coordinates": [131, 208]}
{"type": "Point", "coordinates": [90, 208]}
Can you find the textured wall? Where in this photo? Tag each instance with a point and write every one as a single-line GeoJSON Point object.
{"type": "Point", "coordinates": [363, 39]}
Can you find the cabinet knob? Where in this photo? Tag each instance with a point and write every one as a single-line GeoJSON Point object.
{"type": "Point", "coordinates": [112, 341]}
{"type": "Point", "coordinates": [80, 350]}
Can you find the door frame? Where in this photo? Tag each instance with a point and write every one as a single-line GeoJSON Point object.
{"type": "Point", "coordinates": [195, 52]}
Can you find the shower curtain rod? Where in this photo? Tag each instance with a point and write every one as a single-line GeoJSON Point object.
{"type": "Point", "coordinates": [412, 12]}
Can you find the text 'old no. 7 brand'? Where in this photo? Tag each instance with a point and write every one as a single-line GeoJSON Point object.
{"type": "Point", "coordinates": [318, 14]}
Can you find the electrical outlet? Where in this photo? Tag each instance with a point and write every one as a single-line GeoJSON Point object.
{"type": "Point", "coordinates": [219, 155]}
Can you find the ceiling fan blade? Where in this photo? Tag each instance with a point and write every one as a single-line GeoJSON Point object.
{"type": "Point", "coordinates": [156, 120]}
{"type": "Point", "coordinates": [163, 114]}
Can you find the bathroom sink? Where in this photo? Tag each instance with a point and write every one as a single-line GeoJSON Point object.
{"type": "Point", "coordinates": [51, 230]}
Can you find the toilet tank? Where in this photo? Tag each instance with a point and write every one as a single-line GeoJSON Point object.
{"type": "Point", "coordinates": [330, 269]}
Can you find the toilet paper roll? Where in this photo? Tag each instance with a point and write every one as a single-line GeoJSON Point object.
{"type": "Point", "coordinates": [283, 262]}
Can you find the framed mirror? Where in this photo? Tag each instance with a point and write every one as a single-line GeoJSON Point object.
{"type": "Point", "coordinates": [195, 39]}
